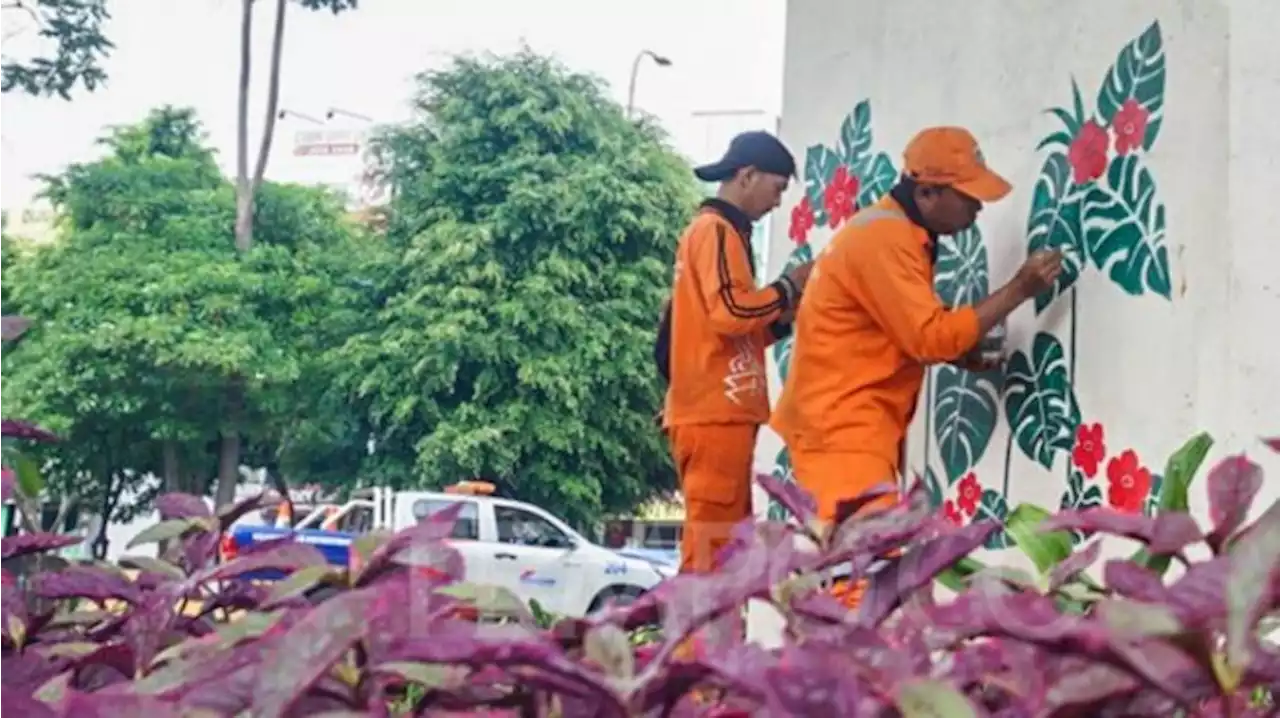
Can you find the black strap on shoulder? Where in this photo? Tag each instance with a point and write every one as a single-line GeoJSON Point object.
{"type": "Point", "coordinates": [662, 347]}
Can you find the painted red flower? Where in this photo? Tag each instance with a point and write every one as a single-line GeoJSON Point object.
{"type": "Point", "coordinates": [801, 222]}
{"type": "Point", "coordinates": [969, 494]}
{"type": "Point", "coordinates": [951, 513]}
{"type": "Point", "coordinates": [1128, 482]}
{"type": "Point", "coordinates": [1130, 126]}
{"type": "Point", "coordinates": [1090, 448]}
{"type": "Point", "coordinates": [1088, 153]}
{"type": "Point", "coordinates": [838, 198]}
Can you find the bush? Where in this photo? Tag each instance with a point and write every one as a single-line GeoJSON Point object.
{"type": "Point", "coordinates": [186, 635]}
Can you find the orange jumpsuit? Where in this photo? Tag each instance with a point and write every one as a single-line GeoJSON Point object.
{"type": "Point", "coordinates": [868, 325]}
{"type": "Point", "coordinates": [717, 398]}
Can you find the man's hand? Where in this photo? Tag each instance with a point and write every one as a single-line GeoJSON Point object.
{"type": "Point", "coordinates": [1039, 272]}
{"type": "Point", "coordinates": [975, 361]}
{"type": "Point", "coordinates": [799, 275]}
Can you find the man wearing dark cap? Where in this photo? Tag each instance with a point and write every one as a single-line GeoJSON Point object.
{"type": "Point", "coordinates": [712, 338]}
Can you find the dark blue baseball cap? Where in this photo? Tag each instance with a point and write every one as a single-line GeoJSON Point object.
{"type": "Point", "coordinates": [757, 149]}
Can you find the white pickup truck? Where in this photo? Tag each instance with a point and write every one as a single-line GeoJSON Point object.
{"type": "Point", "coordinates": [503, 542]}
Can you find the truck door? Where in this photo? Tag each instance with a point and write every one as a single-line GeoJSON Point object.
{"type": "Point", "coordinates": [466, 534]}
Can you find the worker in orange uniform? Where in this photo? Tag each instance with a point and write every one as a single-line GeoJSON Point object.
{"type": "Point", "coordinates": [712, 338]}
{"type": "Point", "coordinates": [871, 322]}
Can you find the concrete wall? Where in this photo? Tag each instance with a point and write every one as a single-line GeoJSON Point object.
{"type": "Point", "coordinates": [1164, 166]}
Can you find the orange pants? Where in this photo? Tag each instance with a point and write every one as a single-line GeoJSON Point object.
{"type": "Point", "coordinates": [835, 477]}
{"type": "Point", "coordinates": [714, 464]}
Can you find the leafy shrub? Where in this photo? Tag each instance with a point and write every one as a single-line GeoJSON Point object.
{"type": "Point", "coordinates": [185, 635]}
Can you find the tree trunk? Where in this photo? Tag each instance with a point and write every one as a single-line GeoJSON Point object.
{"type": "Point", "coordinates": [170, 466]}
{"type": "Point", "coordinates": [273, 97]}
{"type": "Point", "coordinates": [244, 188]}
{"type": "Point", "coordinates": [228, 466]}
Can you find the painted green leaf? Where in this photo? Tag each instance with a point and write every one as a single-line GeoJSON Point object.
{"type": "Point", "coordinates": [1137, 73]}
{"type": "Point", "coordinates": [1080, 495]}
{"type": "Point", "coordinates": [1055, 223]}
{"type": "Point", "coordinates": [855, 136]}
{"type": "Point", "coordinates": [1124, 228]}
{"type": "Point", "coordinates": [1071, 121]}
{"type": "Point", "coordinates": [961, 276]}
{"type": "Point", "coordinates": [993, 507]}
{"type": "Point", "coordinates": [965, 408]}
{"type": "Point", "coordinates": [1039, 401]}
{"type": "Point", "coordinates": [782, 349]}
{"type": "Point", "coordinates": [781, 471]}
{"type": "Point", "coordinates": [1151, 506]}
{"type": "Point", "coordinates": [875, 179]}
{"type": "Point", "coordinates": [820, 164]}
{"type": "Point", "coordinates": [933, 486]}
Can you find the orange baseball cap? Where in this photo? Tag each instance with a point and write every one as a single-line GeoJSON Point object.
{"type": "Point", "coordinates": [950, 156]}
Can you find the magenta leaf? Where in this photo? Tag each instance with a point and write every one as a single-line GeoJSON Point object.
{"type": "Point", "coordinates": [98, 705]}
{"type": "Point", "coordinates": [310, 648]}
{"type": "Point", "coordinates": [15, 702]}
{"type": "Point", "coordinates": [917, 568]}
{"type": "Point", "coordinates": [1168, 667]}
{"type": "Point", "coordinates": [1273, 443]}
{"type": "Point", "coordinates": [1164, 534]}
{"type": "Point", "coordinates": [1132, 580]}
{"type": "Point", "coordinates": [1252, 583]}
{"type": "Point", "coordinates": [7, 481]}
{"type": "Point", "coordinates": [14, 428]}
{"type": "Point", "coordinates": [1073, 565]}
{"type": "Point", "coordinates": [84, 581]}
{"type": "Point", "coordinates": [284, 555]}
{"type": "Point", "coordinates": [15, 610]}
{"type": "Point", "coordinates": [181, 506]}
{"type": "Point", "coordinates": [148, 625]}
{"type": "Point", "coordinates": [791, 496]}
{"type": "Point", "coordinates": [26, 544]}
{"type": "Point", "coordinates": [1081, 683]}
{"type": "Point", "coordinates": [690, 600]}
{"type": "Point", "coordinates": [846, 510]}
{"type": "Point", "coordinates": [434, 529]}
{"type": "Point", "coordinates": [1199, 596]}
{"type": "Point", "coordinates": [1026, 616]}
{"type": "Point", "coordinates": [1232, 484]}
{"type": "Point", "coordinates": [813, 680]}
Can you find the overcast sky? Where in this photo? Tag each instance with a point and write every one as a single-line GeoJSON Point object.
{"type": "Point", "coordinates": [727, 54]}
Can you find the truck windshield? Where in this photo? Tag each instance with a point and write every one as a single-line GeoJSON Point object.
{"type": "Point", "coordinates": [466, 528]}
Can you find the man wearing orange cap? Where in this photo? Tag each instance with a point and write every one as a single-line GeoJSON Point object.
{"type": "Point", "coordinates": [870, 322]}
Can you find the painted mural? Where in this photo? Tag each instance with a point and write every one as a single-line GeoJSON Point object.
{"type": "Point", "coordinates": [1096, 200]}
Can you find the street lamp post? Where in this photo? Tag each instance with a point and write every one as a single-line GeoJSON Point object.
{"type": "Point", "coordinates": [290, 113]}
{"type": "Point", "coordinates": [659, 60]}
{"type": "Point", "coordinates": [339, 111]}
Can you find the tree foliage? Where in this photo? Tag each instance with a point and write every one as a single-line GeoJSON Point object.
{"type": "Point", "coordinates": [536, 227]}
{"type": "Point", "coordinates": [143, 313]}
{"type": "Point", "coordinates": [74, 29]}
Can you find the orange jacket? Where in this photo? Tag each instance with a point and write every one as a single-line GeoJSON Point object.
{"type": "Point", "coordinates": [868, 325]}
{"type": "Point", "coordinates": [719, 324]}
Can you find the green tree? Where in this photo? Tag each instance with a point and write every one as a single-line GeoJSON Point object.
{"type": "Point", "coordinates": [536, 227]}
{"type": "Point", "coordinates": [144, 313]}
{"type": "Point", "coordinates": [75, 29]}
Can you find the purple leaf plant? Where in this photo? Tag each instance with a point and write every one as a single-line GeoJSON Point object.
{"type": "Point", "coordinates": [185, 634]}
